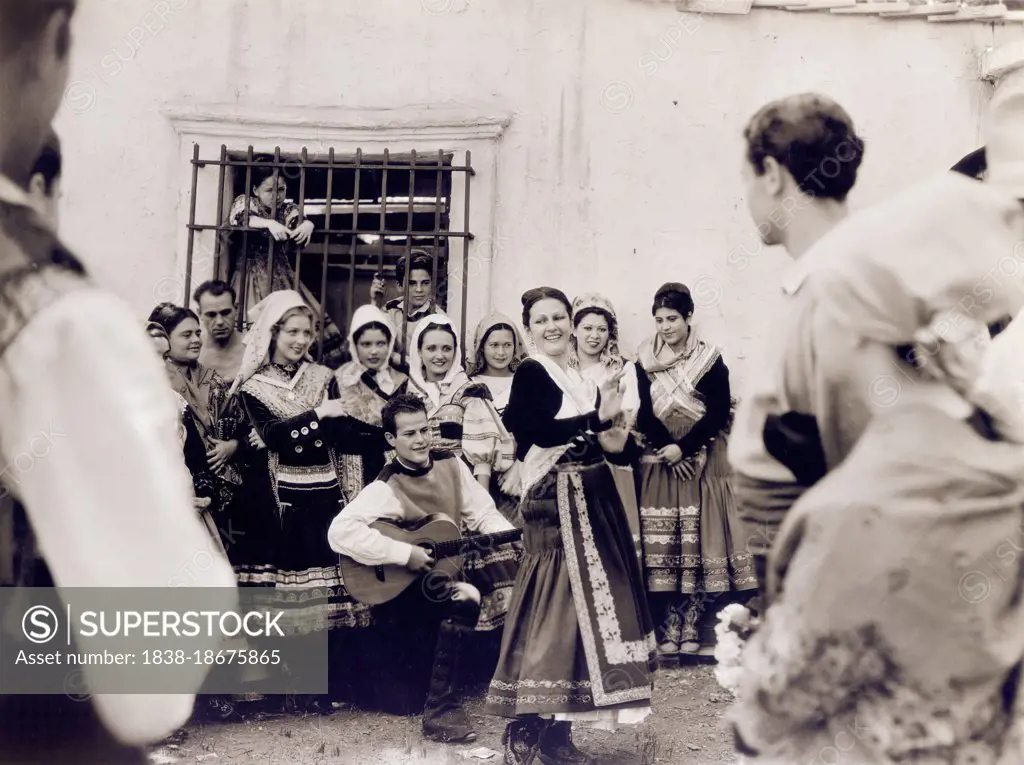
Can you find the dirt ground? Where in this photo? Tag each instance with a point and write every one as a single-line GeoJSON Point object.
{"type": "Point", "coordinates": [686, 729]}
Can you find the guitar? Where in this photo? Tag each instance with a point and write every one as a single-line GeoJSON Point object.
{"type": "Point", "coordinates": [438, 534]}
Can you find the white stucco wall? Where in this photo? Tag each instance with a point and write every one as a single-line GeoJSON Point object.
{"type": "Point", "coordinates": [619, 168]}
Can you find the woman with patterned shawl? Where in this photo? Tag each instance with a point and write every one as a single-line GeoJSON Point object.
{"type": "Point", "coordinates": [204, 481]}
{"type": "Point", "coordinates": [498, 350]}
{"type": "Point", "coordinates": [692, 537]}
{"type": "Point", "coordinates": [895, 632]}
{"type": "Point", "coordinates": [595, 353]}
{"type": "Point", "coordinates": [286, 398]}
{"type": "Point", "coordinates": [453, 401]}
{"type": "Point", "coordinates": [218, 418]}
{"type": "Point", "coordinates": [287, 230]}
{"type": "Point", "coordinates": [578, 643]}
{"type": "Point", "coordinates": [365, 384]}
{"type": "Point", "coordinates": [208, 488]}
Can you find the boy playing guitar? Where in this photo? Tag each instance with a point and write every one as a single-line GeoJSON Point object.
{"type": "Point", "coordinates": [421, 482]}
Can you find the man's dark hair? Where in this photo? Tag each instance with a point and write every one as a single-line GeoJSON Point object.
{"type": "Point", "coordinates": [813, 138]}
{"type": "Point", "coordinates": [23, 21]}
{"type": "Point", "coordinates": [403, 403]}
{"type": "Point", "coordinates": [419, 260]}
{"type": "Point", "coordinates": [216, 288]}
{"type": "Point", "coordinates": [48, 163]}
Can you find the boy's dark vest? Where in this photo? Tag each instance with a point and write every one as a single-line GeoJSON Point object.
{"type": "Point", "coordinates": [39, 729]}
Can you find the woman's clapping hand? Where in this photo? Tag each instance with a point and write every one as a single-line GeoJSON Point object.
{"type": "Point", "coordinates": [611, 397]}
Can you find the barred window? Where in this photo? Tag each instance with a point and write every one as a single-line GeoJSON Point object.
{"type": "Point", "coordinates": [369, 214]}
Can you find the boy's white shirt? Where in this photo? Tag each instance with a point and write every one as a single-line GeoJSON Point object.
{"type": "Point", "coordinates": [350, 533]}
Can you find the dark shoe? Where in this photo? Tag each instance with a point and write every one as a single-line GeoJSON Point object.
{"type": "Point", "coordinates": [307, 704]}
{"type": "Point", "coordinates": [218, 709]}
{"type": "Point", "coordinates": [320, 705]}
{"type": "Point", "coordinates": [557, 748]}
{"type": "Point", "coordinates": [450, 735]}
{"type": "Point", "coordinates": [176, 739]}
{"type": "Point", "coordinates": [522, 740]}
{"type": "Point", "coordinates": [444, 718]}
{"type": "Point", "coordinates": [673, 634]}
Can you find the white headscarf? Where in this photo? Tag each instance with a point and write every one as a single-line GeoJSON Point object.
{"type": "Point", "coordinates": [928, 268]}
{"type": "Point", "coordinates": [612, 359]}
{"type": "Point", "coordinates": [351, 373]}
{"type": "Point", "coordinates": [264, 315]}
{"type": "Point", "coordinates": [435, 392]}
{"type": "Point", "coordinates": [999, 386]}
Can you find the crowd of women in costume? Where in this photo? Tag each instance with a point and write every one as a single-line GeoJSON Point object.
{"type": "Point", "coordinates": [279, 445]}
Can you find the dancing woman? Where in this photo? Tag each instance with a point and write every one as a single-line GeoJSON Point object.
{"type": "Point", "coordinates": [578, 643]}
{"type": "Point", "coordinates": [692, 534]}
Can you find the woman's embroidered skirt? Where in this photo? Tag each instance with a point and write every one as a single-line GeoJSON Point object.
{"type": "Point", "coordinates": [693, 539]}
{"type": "Point", "coordinates": [578, 636]}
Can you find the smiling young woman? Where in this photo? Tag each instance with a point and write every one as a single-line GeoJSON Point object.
{"type": "Point", "coordinates": [365, 385]}
{"type": "Point", "coordinates": [221, 423]}
{"type": "Point", "coordinates": [292, 403]}
{"type": "Point", "coordinates": [579, 598]}
{"type": "Point", "coordinates": [457, 408]}
{"type": "Point", "coordinates": [499, 350]}
{"type": "Point", "coordinates": [690, 526]}
{"type": "Point", "coordinates": [595, 352]}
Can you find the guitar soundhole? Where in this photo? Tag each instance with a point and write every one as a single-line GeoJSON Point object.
{"type": "Point", "coordinates": [380, 573]}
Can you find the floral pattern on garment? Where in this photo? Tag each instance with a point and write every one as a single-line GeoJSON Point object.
{"type": "Point", "coordinates": [848, 684]}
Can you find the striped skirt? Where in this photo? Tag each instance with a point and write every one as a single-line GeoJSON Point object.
{"type": "Point", "coordinates": [693, 539]}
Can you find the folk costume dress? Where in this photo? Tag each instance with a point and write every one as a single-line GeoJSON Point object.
{"type": "Point", "coordinates": [364, 392]}
{"type": "Point", "coordinates": [410, 320]}
{"type": "Point", "coordinates": [205, 483]}
{"type": "Point", "coordinates": [621, 462]}
{"type": "Point", "coordinates": [261, 279]}
{"type": "Point", "coordinates": [692, 537]}
{"type": "Point", "coordinates": [452, 404]}
{"type": "Point", "coordinates": [302, 492]}
{"type": "Point", "coordinates": [110, 504]}
{"type": "Point", "coordinates": [211, 414]}
{"type": "Point", "coordinates": [493, 453]}
{"type": "Point", "coordinates": [578, 641]}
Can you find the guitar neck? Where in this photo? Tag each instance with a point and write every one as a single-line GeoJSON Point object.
{"type": "Point", "coordinates": [457, 546]}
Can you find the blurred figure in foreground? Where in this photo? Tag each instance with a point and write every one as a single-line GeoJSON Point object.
{"type": "Point", "coordinates": [111, 504]}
